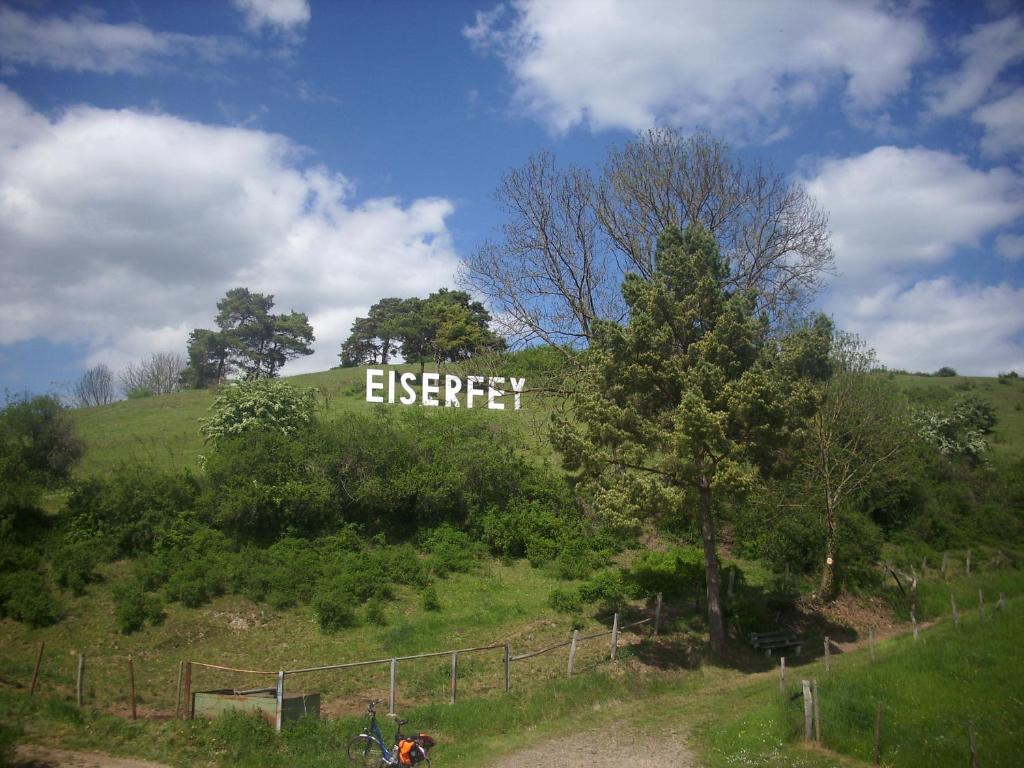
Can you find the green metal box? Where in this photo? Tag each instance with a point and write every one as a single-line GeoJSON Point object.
{"type": "Point", "coordinates": [211, 704]}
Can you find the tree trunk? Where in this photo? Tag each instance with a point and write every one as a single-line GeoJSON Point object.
{"type": "Point", "coordinates": [828, 573]}
{"type": "Point", "coordinates": [711, 570]}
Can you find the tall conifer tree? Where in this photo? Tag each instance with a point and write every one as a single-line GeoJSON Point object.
{"type": "Point", "coordinates": [687, 400]}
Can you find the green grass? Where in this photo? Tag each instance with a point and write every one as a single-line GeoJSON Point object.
{"type": "Point", "coordinates": [929, 691]}
{"type": "Point", "coordinates": [1005, 395]}
{"type": "Point", "coordinates": [163, 430]}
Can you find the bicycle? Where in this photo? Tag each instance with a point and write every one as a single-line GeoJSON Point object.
{"type": "Point", "coordinates": [368, 749]}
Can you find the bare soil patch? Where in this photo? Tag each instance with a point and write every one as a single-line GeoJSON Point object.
{"type": "Point", "coordinates": [31, 756]}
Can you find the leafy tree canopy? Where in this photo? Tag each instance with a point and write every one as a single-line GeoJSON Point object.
{"type": "Point", "coordinates": [251, 341]}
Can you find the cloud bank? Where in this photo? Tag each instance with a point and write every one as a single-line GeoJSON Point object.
{"type": "Point", "coordinates": [121, 229]}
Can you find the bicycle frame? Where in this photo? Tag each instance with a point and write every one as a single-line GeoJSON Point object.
{"type": "Point", "coordinates": [374, 732]}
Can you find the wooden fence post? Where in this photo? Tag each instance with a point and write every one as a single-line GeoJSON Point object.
{"type": "Point", "coordinates": [871, 642]}
{"type": "Point", "coordinates": [817, 711]}
{"type": "Point", "coordinates": [924, 565]}
{"type": "Point", "coordinates": [391, 686]}
{"type": "Point", "coordinates": [974, 744]}
{"type": "Point", "coordinates": [828, 657]}
{"type": "Point", "coordinates": [808, 710]}
{"type": "Point", "coordinates": [657, 614]}
{"type": "Point", "coordinates": [131, 686]}
{"type": "Point", "coordinates": [177, 695]}
{"type": "Point", "coordinates": [968, 562]}
{"type": "Point", "coordinates": [1001, 605]}
{"type": "Point", "coordinates": [782, 675]}
{"type": "Point", "coordinates": [35, 670]}
{"type": "Point", "coordinates": [878, 733]}
{"type": "Point", "coordinates": [455, 664]}
{"type": "Point", "coordinates": [508, 667]}
{"type": "Point", "coordinates": [913, 622]}
{"type": "Point", "coordinates": [280, 702]}
{"type": "Point", "coordinates": [80, 681]}
{"type": "Point", "coordinates": [615, 636]}
{"type": "Point", "coordinates": [945, 562]}
{"type": "Point", "coordinates": [952, 602]}
{"type": "Point", "coordinates": [572, 651]}
{"type": "Point", "coordinates": [981, 605]}
{"type": "Point", "coordinates": [187, 708]}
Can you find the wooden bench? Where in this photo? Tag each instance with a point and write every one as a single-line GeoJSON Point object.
{"type": "Point", "coordinates": [772, 641]}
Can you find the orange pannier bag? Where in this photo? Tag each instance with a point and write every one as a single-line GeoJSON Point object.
{"type": "Point", "coordinates": [408, 751]}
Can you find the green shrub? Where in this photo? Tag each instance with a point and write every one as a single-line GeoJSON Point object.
{"type": "Point", "coordinates": [334, 609]}
{"type": "Point", "coordinates": [674, 573]}
{"type": "Point", "coordinates": [375, 612]}
{"type": "Point", "coordinates": [133, 607]}
{"type": "Point", "coordinates": [565, 600]}
{"type": "Point", "coordinates": [26, 596]}
{"type": "Point", "coordinates": [74, 564]}
{"type": "Point", "coordinates": [266, 405]}
{"type": "Point", "coordinates": [430, 600]}
{"type": "Point", "coordinates": [608, 588]}
{"type": "Point", "coordinates": [451, 550]}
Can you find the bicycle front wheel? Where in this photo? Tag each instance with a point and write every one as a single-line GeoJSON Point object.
{"type": "Point", "coordinates": [364, 751]}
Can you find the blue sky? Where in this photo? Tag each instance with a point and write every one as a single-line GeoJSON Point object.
{"type": "Point", "coordinates": [155, 154]}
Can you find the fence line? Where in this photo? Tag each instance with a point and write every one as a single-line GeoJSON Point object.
{"type": "Point", "coordinates": [507, 658]}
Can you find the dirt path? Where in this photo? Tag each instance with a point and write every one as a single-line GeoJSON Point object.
{"type": "Point", "coordinates": [31, 756]}
{"type": "Point", "coordinates": [604, 748]}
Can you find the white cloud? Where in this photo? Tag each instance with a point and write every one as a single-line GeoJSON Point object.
{"type": "Point", "coordinates": [1003, 121]}
{"type": "Point", "coordinates": [1010, 247]}
{"type": "Point", "coordinates": [894, 210]}
{"type": "Point", "coordinates": [975, 329]}
{"type": "Point", "coordinates": [986, 51]}
{"type": "Point", "coordinates": [613, 63]}
{"type": "Point", "coordinates": [84, 43]}
{"type": "Point", "coordinates": [122, 229]}
{"type": "Point", "coordinates": [284, 16]}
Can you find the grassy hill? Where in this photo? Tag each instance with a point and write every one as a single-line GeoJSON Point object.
{"type": "Point", "coordinates": [164, 430]}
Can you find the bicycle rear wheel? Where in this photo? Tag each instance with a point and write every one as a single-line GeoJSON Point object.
{"type": "Point", "coordinates": [364, 751]}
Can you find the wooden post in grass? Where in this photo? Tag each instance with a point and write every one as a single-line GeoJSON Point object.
{"type": "Point", "coordinates": [828, 657]}
{"type": "Point", "coordinates": [657, 614]}
{"type": "Point", "coordinates": [924, 565]}
{"type": "Point", "coordinates": [508, 667]}
{"type": "Point", "coordinates": [455, 665]}
{"type": "Point", "coordinates": [187, 703]}
{"type": "Point", "coordinates": [871, 642]}
{"type": "Point", "coordinates": [974, 744]}
{"type": "Point", "coordinates": [80, 681]}
{"type": "Point", "coordinates": [913, 622]}
{"type": "Point", "coordinates": [35, 670]}
{"type": "Point", "coordinates": [177, 695]}
{"type": "Point", "coordinates": [981, 605]}
{"type": "Point", "coordinates": [615, 636]}
{"type": "Point", "coordinates": [572, 651]}
{"type": "Point", "coordinates": [878, 733]}
{"type": "Point", "coordinates": [945, 562]}
{"type": "Point", "coordinates": [131, 686]}
{"type": "Point", "coordinates": [391, 686]}
{"type": "Point", "coordinates": [1001, 605]}
{"type": "Point", "coordinates": [952, 602]}
{"type": "Point", "coordinates": [808, 710]}
{"type": "Point", "coordinates": [968, 562]}
{"type": "Point", "coordinates": [782, 675]}
{"type": "Point", "coordinates": [817, 712]}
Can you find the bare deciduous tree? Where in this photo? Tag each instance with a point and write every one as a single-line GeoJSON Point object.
{"type": "Point", "coordinates": [551, 275]}
{"type": "Point", "coordinates": [95, 387]}
{"type": "Point", "coordinates": [568, 240]}
{"type": "Point", "coordinates": [158, 375]}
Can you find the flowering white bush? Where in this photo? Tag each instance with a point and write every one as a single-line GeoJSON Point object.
{"type": "Point", "coordinates": [260, 404]}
